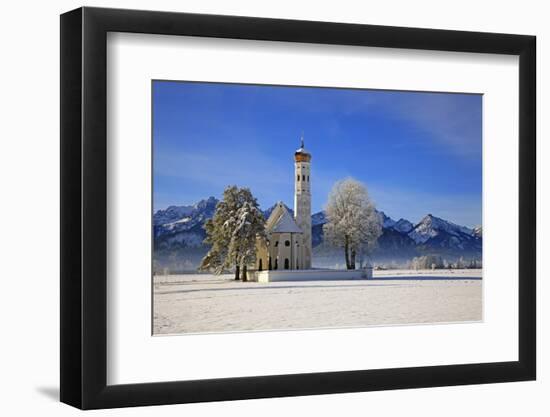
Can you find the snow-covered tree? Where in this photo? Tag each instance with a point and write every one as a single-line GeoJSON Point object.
{"type": "Point", "coordinates": [249, 226]}
{"type": "Point", "coordinates": [218, 232]}
{"type": "Point", "coordinates": [232, 232]}
{"type": "Point", "coordinates": [352, 221]}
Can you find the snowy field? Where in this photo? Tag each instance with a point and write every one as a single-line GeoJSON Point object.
{"type": "Point", "coordinates": [197, 303]}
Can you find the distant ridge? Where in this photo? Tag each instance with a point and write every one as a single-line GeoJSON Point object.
{"type": "Point", "coordinates": [179, 234]}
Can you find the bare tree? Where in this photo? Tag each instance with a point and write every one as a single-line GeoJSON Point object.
{"type": "Point", "coordinates": [352, 221]}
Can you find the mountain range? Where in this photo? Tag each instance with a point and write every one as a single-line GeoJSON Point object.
{"type": "Point", "coordinates": [179, 234]}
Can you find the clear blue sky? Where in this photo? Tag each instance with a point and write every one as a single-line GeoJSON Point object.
{"type": "Point", "coordinates": [418, 153]}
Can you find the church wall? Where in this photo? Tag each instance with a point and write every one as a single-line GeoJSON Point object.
{"type": "Point", "coordinates": [280, 252]}
{"type": "Point", "coordinates": [261, 253]}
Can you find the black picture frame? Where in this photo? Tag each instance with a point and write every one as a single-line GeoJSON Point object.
{"type": "Point", "coordinates": [84, 207]}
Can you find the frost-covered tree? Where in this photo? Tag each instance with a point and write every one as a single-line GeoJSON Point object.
{"type": "Point", "coordinates": [428, 262]}
{"type": "Point", "coordinates": [232, 232]}
{"type": "Point", "coordinates": [352, 221]}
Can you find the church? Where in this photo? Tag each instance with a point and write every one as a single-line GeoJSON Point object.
{"type": "Point", "coordinates": [288, 243]}
{"type": "Point", "coordinates": [286, 253]}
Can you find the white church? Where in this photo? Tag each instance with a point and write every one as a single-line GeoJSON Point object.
{"type": "Point", "coordinates": [286, 253]}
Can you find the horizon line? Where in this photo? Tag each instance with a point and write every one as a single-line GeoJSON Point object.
{"type": "Point", "coordinates": [156, 210]}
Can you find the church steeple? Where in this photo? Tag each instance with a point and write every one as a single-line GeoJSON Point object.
{"type": "Point", "coordinates": [302, 201]}
{"type": "Point", "coordinates": [301, 155]}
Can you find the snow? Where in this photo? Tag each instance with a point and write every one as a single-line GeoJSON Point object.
{"type": "Point", "coordinates": [478, 231]}
{"type": "Point", "coordinates": [184, 220]}
{"type": "Point", "coordinates": [207, 303]}
{"type": "Point", "coordinates": [170, 226]}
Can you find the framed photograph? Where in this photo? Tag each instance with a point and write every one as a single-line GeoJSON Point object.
{"type": "Point", "coordinates": [257, 208]}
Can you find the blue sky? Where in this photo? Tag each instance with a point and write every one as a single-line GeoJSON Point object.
{"type": "Point", "coordinates": [417, 153]}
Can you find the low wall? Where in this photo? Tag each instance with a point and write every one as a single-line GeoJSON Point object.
{"type": "Point", "coordinates": [312, 275]}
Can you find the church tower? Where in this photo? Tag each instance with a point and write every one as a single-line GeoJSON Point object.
{"type": "Point", "coordinates": [302, 201]}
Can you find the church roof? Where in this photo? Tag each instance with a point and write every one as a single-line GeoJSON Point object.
{"type": "Point", "coordinates": [280, 221]}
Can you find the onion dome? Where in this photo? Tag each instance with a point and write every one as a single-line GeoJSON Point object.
{"type": "Point", "coordinates": [301, 155]}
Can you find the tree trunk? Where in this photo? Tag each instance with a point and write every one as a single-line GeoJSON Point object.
{"type": "Point", "coordinates": [346, 250]}
{"type": "Point", "coordinates": [244, 278]}
{"type": "Point", "coordinates": [352, 260]}
{"type": "Point", "coordinates": [237, 270]}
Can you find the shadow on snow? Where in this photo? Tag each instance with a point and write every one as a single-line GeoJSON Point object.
{"type": "Point", "coordinates": [367, 283]}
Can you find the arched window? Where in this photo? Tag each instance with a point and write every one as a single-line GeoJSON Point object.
{"type": "Point", "coordinates": [276, 243]}
{"type": "Point", "coordinates": [260, 265]}
{"type": "Point", "coordinates": [308, 178]}
{"type": "Point", "coordinates": [276, 263]}
{"type": "Point", "coordinates": [286, 263]}
{"type": "Point", "coordinates": [287, 242]}
{"type": "Point", "coordinates": [298, 177]}
{"type": "Point", "coordinates": [303, 177]}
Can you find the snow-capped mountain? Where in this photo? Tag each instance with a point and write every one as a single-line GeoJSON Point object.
{"type": "Point", "coordinates": [431, 226]}
{"type": "Point", "coordinates": [403, 226]}
{"type": "Point", "coordinates": [387, 222]}
{"type": "Point", "coordinates": [318, 218]}
{"type": "Point", "coordinates": [478, 231]}
{"type": "Point", "coordinates": [441, 234]}
{"type": "Point", "coordinates": [175, 215]}
{"type": "Point", "coordinates": [183, 224]}
{"type": "Point", "coordinates": [179, 236]}
{"type": "Point", "coordinates": [171, 214]}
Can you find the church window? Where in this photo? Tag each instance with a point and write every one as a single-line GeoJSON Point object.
{"type": "Point", "coordinates": [276, 243]}
{"type": "Point", "coordinates": [303, 177]}
{"type": "Point", "coordinates": [298, 177]}
{"type": "Point", "coordinates": [287, 242]}
{"type": "Point", "coordinates": [286, 263]}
